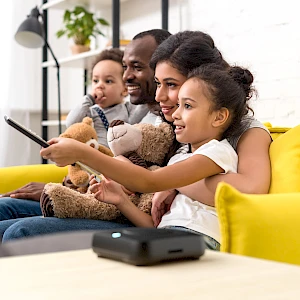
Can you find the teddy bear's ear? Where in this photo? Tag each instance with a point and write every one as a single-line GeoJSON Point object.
{"type": "Point", "coordinates": [65, 135]}
{"type": "Point", "coordinates": [167, 130]}
{"type": "Point", "coordinates": [116, 123]}
{"type": "Point", "coordinates": [88, 121]}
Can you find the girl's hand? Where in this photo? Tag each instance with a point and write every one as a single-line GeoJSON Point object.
{"type": "Point", "coordinates": [93, 181]}
{"type": "Point", "coordinates": [63, 151]}
{"type": "Point", "coordinates": [109, 191]}
{"type": "Point", "coordinates": [161, 203]}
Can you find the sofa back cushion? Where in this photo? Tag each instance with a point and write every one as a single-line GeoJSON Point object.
{"type": "Point", "coordinates": [285, 160]}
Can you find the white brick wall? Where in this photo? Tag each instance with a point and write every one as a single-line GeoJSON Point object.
{"type": "Point", "coordinates": [261, 35]}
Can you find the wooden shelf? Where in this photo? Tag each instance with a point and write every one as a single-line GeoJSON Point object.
{"type": "Point", "coordinates": [53, 123]}
{"type": "Point", "coordinates": [81, 60]}
{"type": "Point", "coordinates": [69, 4]}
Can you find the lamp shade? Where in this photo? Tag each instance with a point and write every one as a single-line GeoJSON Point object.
{"type": "Point", "coordinates": [30, 32]}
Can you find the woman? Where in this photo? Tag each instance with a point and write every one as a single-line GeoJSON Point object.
{"type": "Point", "coordinates": [172, 61]}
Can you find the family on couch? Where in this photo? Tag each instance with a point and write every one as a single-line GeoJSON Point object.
{"type": "Point", "coordinates": [211, 119]}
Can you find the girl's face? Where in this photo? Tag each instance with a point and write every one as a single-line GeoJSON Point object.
{"type": "Point", "coordinates": [194, 119]}
{"type": "Point", "coordinates": [168, 81]}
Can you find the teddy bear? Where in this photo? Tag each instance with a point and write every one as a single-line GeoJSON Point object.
{"type": "Point", "coordinates": [144, 144]}
{"type": "Point", "coordinates": [83, 132]}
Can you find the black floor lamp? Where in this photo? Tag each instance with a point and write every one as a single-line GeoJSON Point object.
{"type": "Point", "coordinates": [30, 34]}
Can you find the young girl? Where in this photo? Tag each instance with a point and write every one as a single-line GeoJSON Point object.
{"type": "Point", "coordinates": [211, 105]}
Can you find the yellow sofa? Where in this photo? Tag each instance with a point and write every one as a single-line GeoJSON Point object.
{"type": "Point", "coordinates": [266, 226]}
{"type": "Point", "coordinates": [12, 178]}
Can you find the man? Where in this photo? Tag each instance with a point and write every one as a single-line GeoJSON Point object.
{"type": "Point", "coordinates": [139, 79]}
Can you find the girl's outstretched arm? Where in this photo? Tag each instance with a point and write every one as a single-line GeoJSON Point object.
{"type": "Point", "coordinates": [254, 169]}
{"type": "Point", "coordinates": [64, 151]}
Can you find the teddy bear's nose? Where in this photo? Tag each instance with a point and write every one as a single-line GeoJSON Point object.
{"type": "Point", "coordinates": [116, 123]}
{"type": "Point", "coordinates": [93, 143]}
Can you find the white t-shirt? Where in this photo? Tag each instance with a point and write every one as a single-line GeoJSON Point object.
{"type": "Point", "coordinates": [192, 214]}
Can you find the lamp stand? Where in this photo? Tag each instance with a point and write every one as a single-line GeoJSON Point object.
{"type": "Point", "coordinates": [58, 85]}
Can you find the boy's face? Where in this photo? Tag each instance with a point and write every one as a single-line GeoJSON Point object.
{"type": "Point", "coordinates": [107, 84]}
{"type": "Point", "coordinates": [138, 76]}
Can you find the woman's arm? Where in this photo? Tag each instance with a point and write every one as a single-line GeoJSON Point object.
{"type": "Point", "coordinates": [254, 169]}
{"type": "Point", "coordinates": [66, 151]}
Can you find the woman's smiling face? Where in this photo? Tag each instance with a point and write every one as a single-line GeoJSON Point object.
{"type": "Point", "coordinates": [168, 81]}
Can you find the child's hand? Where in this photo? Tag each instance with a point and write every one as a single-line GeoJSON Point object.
{"type": "Point", "coordinates": [161, 203]}
{"type": "Point", "coordinates": [109, 191]}
{"type": "Point", "coordinates": [97, 94]}
{"type": "Point", "coordinates": [63, 151]}
{"type": "Point", "coordinates": [93, 181]}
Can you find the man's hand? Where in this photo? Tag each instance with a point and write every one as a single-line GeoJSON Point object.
{"type": "Point", "coordinates": [161, 203]}
{"type": "Point", "coordinates": [30, 191]}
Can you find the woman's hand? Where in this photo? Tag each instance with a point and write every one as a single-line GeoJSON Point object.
{"type": "Point", "coordinates": [161, 203]}
{"type": "Point", "coordinates": [63, 151]}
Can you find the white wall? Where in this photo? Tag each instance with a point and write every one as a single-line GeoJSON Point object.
{"type": "Point", "coordinates": [261, 35]}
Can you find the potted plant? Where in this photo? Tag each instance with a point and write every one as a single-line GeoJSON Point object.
{"type": "Point", "coordinates": [81, 25]}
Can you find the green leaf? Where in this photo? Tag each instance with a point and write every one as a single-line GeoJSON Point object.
{"type": "Point", "coordinates": [60, 33]}
{"type": "Point", "coordinates": [100, 32]}
{"type": "Point", "coordinates": [103, 22]}
{"type": "Point", "coordinates": [67, 16]}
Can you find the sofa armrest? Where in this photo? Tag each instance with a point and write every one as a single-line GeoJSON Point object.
{"type": "Point", "coordinates": [14, 177]}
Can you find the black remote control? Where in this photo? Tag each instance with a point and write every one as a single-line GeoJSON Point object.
{"type": "Point", "coordinates": [33, 136]}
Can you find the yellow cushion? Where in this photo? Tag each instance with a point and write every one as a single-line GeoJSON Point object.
{"type": "Point", "coordinates": [263, 226]}
{"type": "Point", "coordinates": [285, 162]}
{"type": "Point", "coordinates": [12, 178]}
{"type": "Point", "coordinates": [276, 131]}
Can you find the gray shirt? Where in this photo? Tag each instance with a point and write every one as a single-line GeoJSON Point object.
{"type": "Point", "coordinates": [247, 122]}
{"type": "Point", "coordinates": [125, 111]}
